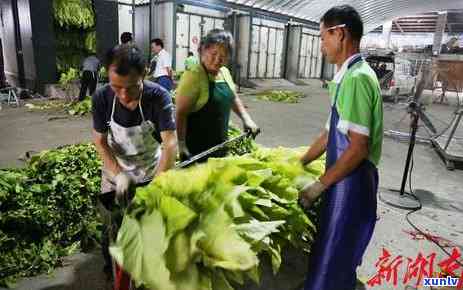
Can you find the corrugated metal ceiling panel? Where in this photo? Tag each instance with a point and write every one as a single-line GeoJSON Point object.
{"type": "Point", "coordinates": [374, 13]}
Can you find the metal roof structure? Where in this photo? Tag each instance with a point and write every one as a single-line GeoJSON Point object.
{"type": "Point", "coordinates": [427, 23]}
{"type": "Point", "coordinates": [374, 13]}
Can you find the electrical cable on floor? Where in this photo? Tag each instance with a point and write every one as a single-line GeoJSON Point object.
{"type": "Point", "coordinates": [407, 216]}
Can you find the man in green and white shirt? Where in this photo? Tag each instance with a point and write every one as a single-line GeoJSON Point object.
{"type": "Point", "coordinates": [359, 105]}
{"type": "Point", "coordinates": [352, 141]}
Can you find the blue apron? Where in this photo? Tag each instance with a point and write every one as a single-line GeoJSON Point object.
{"type": "Point", "coordinates": [347, 217]}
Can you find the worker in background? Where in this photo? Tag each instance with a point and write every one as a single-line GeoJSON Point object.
{"type": "Point", "coordinates": [152, 67]}
{"type": "Point", "coordinates": [126, 38]}
{"type": "Point", "coordinates": [382, 71]}
{"type": "Point", "coordinates": [205, 96]}
{"type": "Point", "coordinates": [190, 61]}
{"type": "Point", "coordinates": [163, 69]}
{"type": "Point", "coordinates": [131, 119]}
{"type": "Point", "coordinates": [352, 141]}
{"type": "Point", "coordinates": [89, 78]}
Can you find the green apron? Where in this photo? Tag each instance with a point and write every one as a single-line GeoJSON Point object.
{"type": "Point", "coordinates": [209, 125]}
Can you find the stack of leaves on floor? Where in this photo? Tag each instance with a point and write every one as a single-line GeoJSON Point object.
{"type": "Point", "coordinates": [280, 96]}
{"type": "Point", "coordinates": [75, 108]}
{"type": "Point", "coordinates": [47, 210]}
{"type": "Point", "coordinates": [202, 228]}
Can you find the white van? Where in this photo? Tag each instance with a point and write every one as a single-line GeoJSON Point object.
{"type": "Point", "coordinates": [395, 75]}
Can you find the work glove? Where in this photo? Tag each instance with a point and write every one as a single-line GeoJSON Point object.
{"type": "Point", "coordinates": [183, 150]}
{"type": "Point", "coordinates": [250, 126]}
{"type": "Point", "coordinates": [122, 181]}
{"type": "Point", "coordinates": [310, 193]}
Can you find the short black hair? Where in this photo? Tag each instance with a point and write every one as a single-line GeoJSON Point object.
{"type": "Point", "coordinates": [158, 42]}
{"type": "Point", "coordinates": [126, 58]}
{"type": "Point", "coordinates": [190, 53]}
{"type": "Point", "coordinates": [218, 36]}
{"type": "Point", "coordinates": [126, 37]}
{"type": "Point", "coordinates": [345, 14]}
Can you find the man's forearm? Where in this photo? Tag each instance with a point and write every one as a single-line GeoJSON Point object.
{"type": "Point", "coordinates": [349, 160]}
{"type": "Point", "coordinates": [316, 149]}
{"type": "Point", "coordinates": [109, 161]}
{"type": "Point", "coordinates": [168, 156]}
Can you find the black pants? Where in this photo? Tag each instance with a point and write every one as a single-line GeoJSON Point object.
{"type": "Point", "coordinates": [88, 81]}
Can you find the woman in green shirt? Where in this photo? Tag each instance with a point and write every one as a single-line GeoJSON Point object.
{"type": "Point", "coordinates": [205, 96]}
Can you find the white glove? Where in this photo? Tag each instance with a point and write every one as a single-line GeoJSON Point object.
{"type": "Point", "coordinates": [123, 182]}
{"type": "Point", "coordinates": [310, 193]}
{"type": "Point", "coordinates": [183, 150]}
{"type": "Point", "coordinates": [250, 125]}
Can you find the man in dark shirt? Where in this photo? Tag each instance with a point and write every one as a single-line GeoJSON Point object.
{"type": "Point", "coordinates": [131, 119]}
{"type": "Point", "coordinates": [156, 105]}
{"type": "Point", "coordinates": [134, 130]}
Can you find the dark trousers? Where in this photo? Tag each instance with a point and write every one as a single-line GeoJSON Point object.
{"type": "Point", "coordinates": [165, 82]}
{"type": "Point", "coordinates": [88, 81]}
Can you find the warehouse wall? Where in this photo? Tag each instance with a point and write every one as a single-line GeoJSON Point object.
{"type": "Point", "coordinates": [26, 41]}
{"type": "Point", "coordinates": [260, 40]}
{"type": "Point", "coordinates": [2, 67]}
{"type": "Point", "coordinates": [163, 18]}
{"type": "Point", "coordinates": [310, 57]}
{"type": "Point", "coordinates": [243, 43]}
{"type": "Point", "coordinates": [9, 46]}
{"type": "Point", "coordinates": [142, 28]}
{"type": "Point", "coordinates": [125, 18]}
{"type": "Point", "coordinates": [268, 39]}
{"type": "Point", "coordinates": [43, 43]}
{"type": "Point", "coordinates": [37, 42]}
{"type": "Point", "coordinates": [292, 58]}
{"type": "Point", "coordinates": [107, 33]}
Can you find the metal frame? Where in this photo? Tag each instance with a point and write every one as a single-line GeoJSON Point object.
{"type": "Point", "coordinates": [314, 57]}
{"type": "Point", "coordinates": [276, 29]}
{"type": "Point", "coordinates": [251, 17]}
{"type": "Point", "coordinates": [18, 44]}
{"type": "Point", "coordinates": [174, 35]}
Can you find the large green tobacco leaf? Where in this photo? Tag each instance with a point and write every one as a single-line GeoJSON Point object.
{"type": "Point", "coordinates": [140, 249]}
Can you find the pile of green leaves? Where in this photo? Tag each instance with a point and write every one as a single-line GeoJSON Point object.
{"type": "Point", "coordinates": [47, 210]}
{"type": "Point", "coordinates": [280, 96]}
{"type": "Point", "coordinates": [74, 108]}
{"type": "Point", "coordinates": [243, 146]}
{"type": "Point", "coordinates": [90, 41]}
{"type": "Point", "coordinates": [46, 105]}
{"type": "Point", "coordinates": [81, 108]}
{"type": "Point", "coordinates": [68, 77]}
{"type": "Point", "coordinates": [203, 228]}
{"type": "Point", "coordinates": [74, 13]}
{"type": "Point", "coordinates": [103, 76]}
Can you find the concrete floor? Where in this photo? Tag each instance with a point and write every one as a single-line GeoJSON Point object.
{"type": "Point", "coordinates": [440, 190]}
